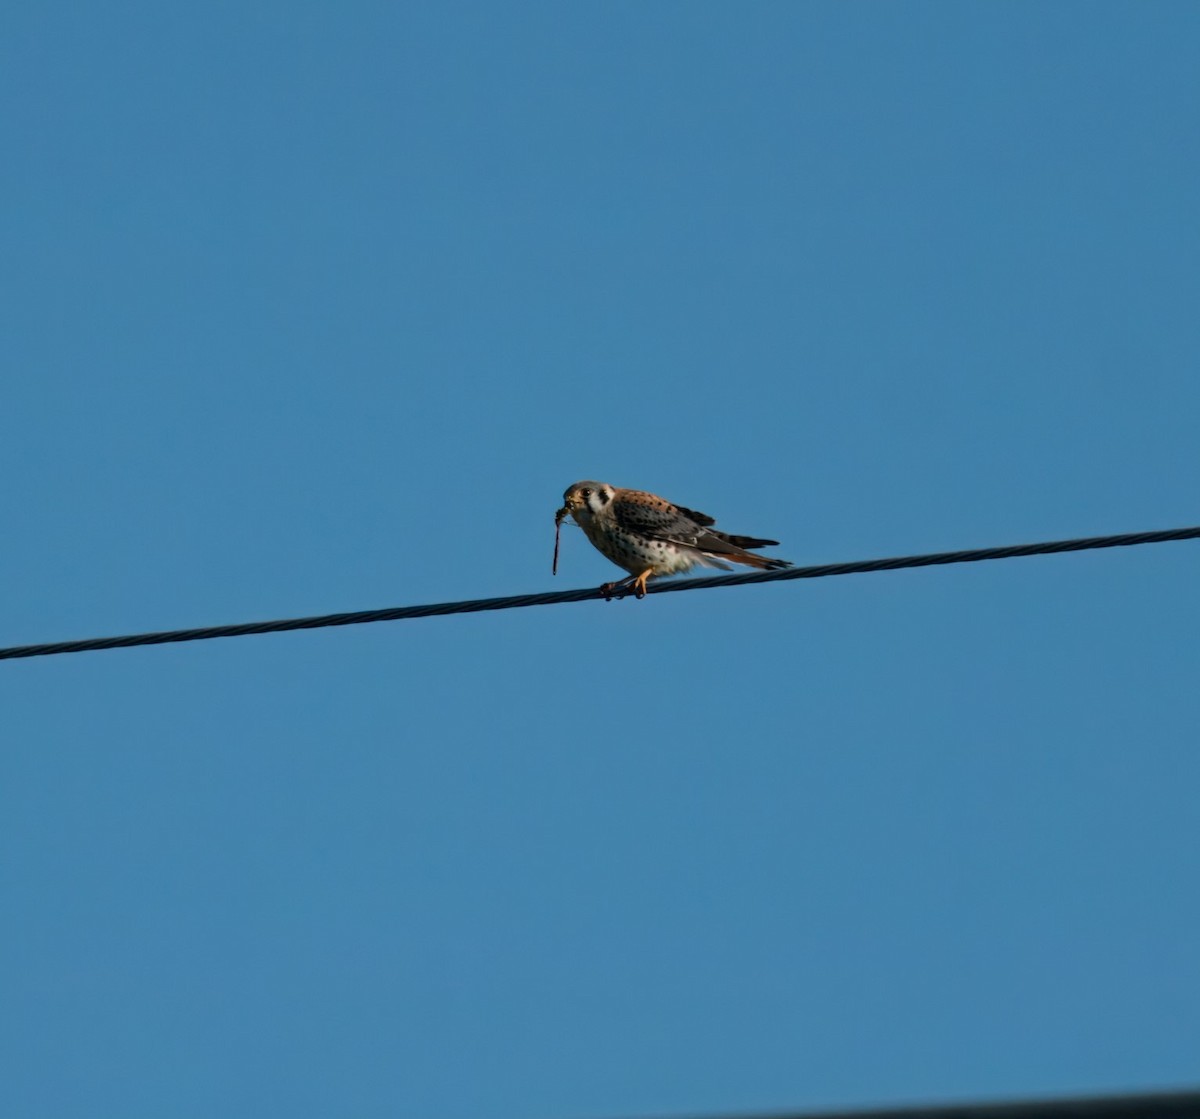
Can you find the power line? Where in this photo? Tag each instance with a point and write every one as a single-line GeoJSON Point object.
{"type": "Point", "coordinates": [555, 598]}
{"type": "Point", "coordinates": [1149, 1105]}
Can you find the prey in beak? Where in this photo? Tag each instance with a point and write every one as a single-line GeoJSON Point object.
{"type": "Point", "coordinates": [559, 517]}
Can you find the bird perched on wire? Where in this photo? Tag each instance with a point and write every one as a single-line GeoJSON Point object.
{"type": "Point", "coordinates": [649, 536]}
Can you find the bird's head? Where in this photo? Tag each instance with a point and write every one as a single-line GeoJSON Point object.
{"type": "Point", "coordinates": [584, 500]}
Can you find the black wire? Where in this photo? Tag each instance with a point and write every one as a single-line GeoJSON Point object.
{"type": "Point", "coordinates": [555, 598]}
{"type": "Point", "coordinates": [1150, 1105]}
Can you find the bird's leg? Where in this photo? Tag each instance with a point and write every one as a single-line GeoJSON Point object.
{"type": "Point", "coordinates": [619, 589]}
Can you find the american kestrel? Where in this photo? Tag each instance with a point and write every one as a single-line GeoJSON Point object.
{"type": "Point", "coordinates": [647, 535]}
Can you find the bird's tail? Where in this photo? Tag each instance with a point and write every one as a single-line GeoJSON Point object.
{"type": "Point", "coordinates": [746, 541]}
{"type": "Point", "coordinates": [767, 563]}
{"type": "Point", "coordinates": [739, 553]}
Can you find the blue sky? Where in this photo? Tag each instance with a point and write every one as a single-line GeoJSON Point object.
{"type": "Point", "coordinates": [312, 308]}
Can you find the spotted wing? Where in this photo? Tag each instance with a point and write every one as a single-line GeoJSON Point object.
{"type": "Point", "coordinates": [657, 519]}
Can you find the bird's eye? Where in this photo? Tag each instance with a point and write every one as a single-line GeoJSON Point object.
{"type": "Point", "coordinates": [587, 493]}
